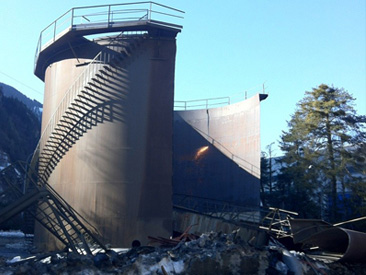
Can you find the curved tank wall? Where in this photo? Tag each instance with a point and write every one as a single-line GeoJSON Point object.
{"type": "Point", "coordinates": [216, 153]}
{"type": "Point", "coordinates": [118, 175]}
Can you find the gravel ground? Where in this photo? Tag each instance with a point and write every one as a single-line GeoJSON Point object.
{"type": "Point", "coordinates": [14, 244]}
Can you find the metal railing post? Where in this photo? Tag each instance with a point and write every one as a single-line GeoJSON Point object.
{"type": "Point", "coordinates": [149, 12]}
{"type": "Point", "coordinates": [72, 17]}
{"type": "Point", "coordinates": [109, 15]}
{"type": "Point", "coordinates": [40, 44]}
{"type": "Point", "coordinates": [54, 32]}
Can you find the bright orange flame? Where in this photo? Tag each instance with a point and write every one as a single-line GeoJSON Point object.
{"type": "Point", "coordinates": [200, 152]}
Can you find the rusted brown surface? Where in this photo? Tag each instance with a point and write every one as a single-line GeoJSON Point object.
{"type": "Point", "coordinates": [302, 229]}
{"type": "Point", "coordinates": [203, 223]}
{"type": "Point", "coordinates": [217, 153]}
{"type": "Point", "coordinates": [118, 174]}
{"type": "Point", "coordinates": [350, 245]}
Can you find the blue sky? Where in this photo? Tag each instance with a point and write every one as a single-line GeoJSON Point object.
{"type": "Point", "coordinates": [225, 49]}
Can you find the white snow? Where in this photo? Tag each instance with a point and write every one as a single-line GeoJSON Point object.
{"type": "Point", "coordinates": [12, 234]}
{"type": "Point", "coordinates": [145, 268]}
{"type": "Point", "coordinates": [14, 260]}
{"type": "Point", "coordinates": [172, 266]}
{"type": "Point", "coordinates": [18, 259]}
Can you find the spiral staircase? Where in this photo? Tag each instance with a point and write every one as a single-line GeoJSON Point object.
{"type": "Point", "coordinates": [92, 99]}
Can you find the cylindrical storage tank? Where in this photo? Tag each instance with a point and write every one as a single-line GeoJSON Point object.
{"type": "Point", "coordinates": [216, 154]}
{"type": "Point", "coordinates": [118, 173]}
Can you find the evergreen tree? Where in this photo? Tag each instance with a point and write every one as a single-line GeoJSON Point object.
{"type": "Point", "coordinates": [267, 181]}
{"type": "Point", "coordinates": [264, 179]}
{"type": "Point", "coordinates": [321, 143]}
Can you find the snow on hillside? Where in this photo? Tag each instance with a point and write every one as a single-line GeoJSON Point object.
{"type": "Point", "coordinates": [32, 104]}
{"type": "Point", "coordinates": [4, 160]}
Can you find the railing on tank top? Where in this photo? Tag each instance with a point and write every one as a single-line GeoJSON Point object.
{"type": "Point", "coordinates": [105, 16]}
{"type": "Point", "coordinates": [214, 102]}
{"type": "Point", "coordinates": [201, 103]}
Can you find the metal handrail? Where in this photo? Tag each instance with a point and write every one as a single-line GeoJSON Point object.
{"type": "Point", "coordinates": [215, 207]}
{"type": "Point", "coordinates": [230, 211]}
{"type": "Point", "coordinates": [246, 165]}
{"type": "Point", "coordinates": [103, 14]}
{"type": "Point", "coordinates": [201, 103]}
{"type": "Point", "coordinates": [102, 58]}
{"type": "Point", "coordinates": [206, 103]}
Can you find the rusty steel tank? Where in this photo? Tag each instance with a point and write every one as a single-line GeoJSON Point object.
{"type": "Point", "coordinates": [216, 152]}
{"type": "Point", "coordinates": [106, 146]}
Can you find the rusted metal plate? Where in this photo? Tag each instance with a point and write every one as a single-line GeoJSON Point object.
{"type": "Point", "coordinates": [216, 153]}
{"type": "Point", "coordinates": [183, 219]}
{"type": "Point", "coordinates": [302, 229]}
{"type": "Point", "coordinates": [350, 244]}
{"type": "Point", "coordinates": [118, 175]}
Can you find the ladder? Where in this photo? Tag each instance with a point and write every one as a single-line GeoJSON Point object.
{"type": "Point", "coordinates": [49, 209]}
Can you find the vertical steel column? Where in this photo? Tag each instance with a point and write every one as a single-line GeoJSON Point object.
{"type": "Point", "coordinates": [72, 17]}
{"type": "Point", "coordinates": [149, 12]}
{"type": "Point", "coordinates": [109, 15]}
{"type": "Point", "coordinates": [54, 32]}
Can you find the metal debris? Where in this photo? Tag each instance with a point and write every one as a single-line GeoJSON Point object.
{"type": "Point", "coordinates": [211, 253]}
{"type": "Point", "coordinates": [184, 237]}
{"type": "Point", "coordinates": [324, 240]}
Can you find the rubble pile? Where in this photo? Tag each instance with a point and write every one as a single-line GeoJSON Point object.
{"type": "Point", "coordinates": [212, 253]}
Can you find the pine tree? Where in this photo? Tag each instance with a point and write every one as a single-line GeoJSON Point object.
{"type": "Point", "coordinates": [324, 134]}
{"type": "Point", "coordinates": [264, 179]}
{"type": "Point", "coordinates": [268, 195]}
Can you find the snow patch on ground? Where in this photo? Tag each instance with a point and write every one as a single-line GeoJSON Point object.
{"type": "Point", "coordinates": [17, 246]}
{"type": "Point", "coordinates": [14, 260]}
{"type": "Point", "coordinates": [14, 243]}
{"type": "Point", "coordinates": [145, 266]}
{"type": "Point", "coordinates": [12, 234]}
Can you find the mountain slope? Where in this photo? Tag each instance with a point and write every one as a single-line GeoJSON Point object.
{"type": "Point", "coordinates": [34, 105]}
{"type": "Point", "coordinates": [19, 128]}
